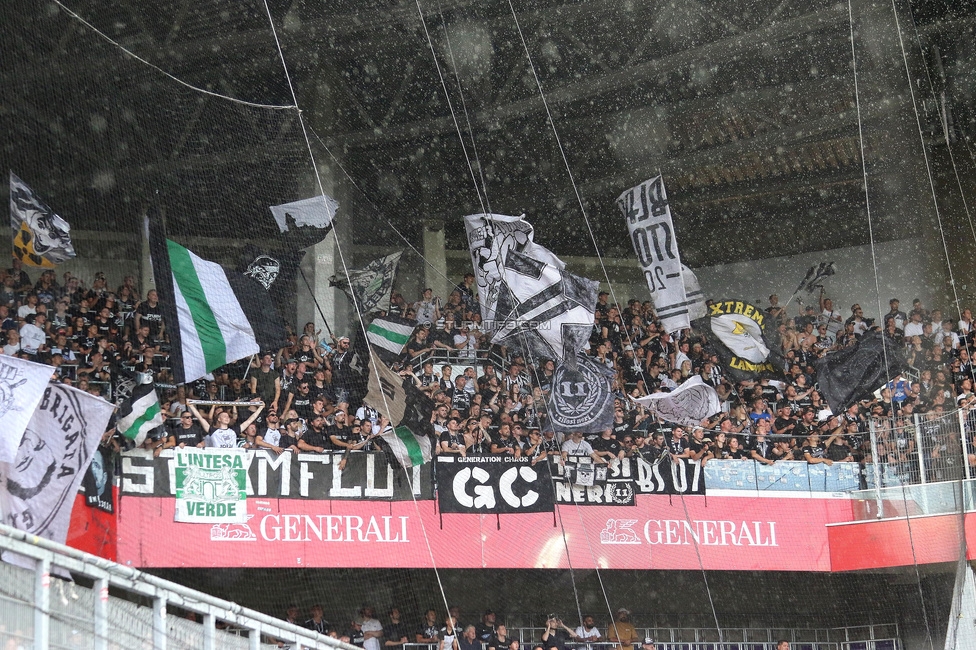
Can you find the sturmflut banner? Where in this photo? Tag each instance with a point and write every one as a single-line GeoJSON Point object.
{"type": "Point", "coordinates": [367, 476]}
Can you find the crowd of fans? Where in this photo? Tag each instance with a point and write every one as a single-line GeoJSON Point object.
{"type": "Point", "coordinates": [454, 631]}
{"type": "Point", "coordinates": [491, 400]}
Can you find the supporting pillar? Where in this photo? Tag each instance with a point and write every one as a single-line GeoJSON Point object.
{"type": "Point", "coordinates": [159, 623]}
{"type": "Point", "coordinates": [435, 268]}
{"type": "Point", "coordinates": [101, 614]}
{"type": "Point", "coordinates": [42, 605]}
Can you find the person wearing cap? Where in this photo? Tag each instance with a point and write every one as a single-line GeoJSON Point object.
{"type": "Point", "coordinates": [291, 435]}
{"type": "Point", "coordinates": [622, 630]}
{"type": "Point", "coordinates": [648, 644]}
{"type": "Point", "coordinates": [486, 629]}
{"type": "Point", "coordinates": [451, 441]}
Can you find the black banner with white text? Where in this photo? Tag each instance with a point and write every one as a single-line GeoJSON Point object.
{"type": "Point", "coordinates": [493, 484]}
{"type": "Point", "coordinates": [366, 476]}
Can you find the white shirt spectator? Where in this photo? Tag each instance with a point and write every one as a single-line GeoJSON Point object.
{"type": "Point", "coordinates": [581, 448]}
{"type": "Point", "coordinates": [31, 337]}
{"type": "Point", "coordinates": [24, 310]}
{"type": "Point", "coordinates": [372, 625]}
{"type": "Point", "coordinates": [222, 438]}
{"type": "Point", "coordinates": [914, 329]}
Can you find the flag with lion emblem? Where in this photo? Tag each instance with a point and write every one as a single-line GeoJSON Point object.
{"type": "Point", "coordinates": [41, 237]}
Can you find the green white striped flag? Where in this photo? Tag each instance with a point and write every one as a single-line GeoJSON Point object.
{"type": "Point", "coordinates": [408, 448]}
{"type": "Point", "coordinates": [389, 335]}
{"type": "Point", "coordinates": [139, 414]}
{"type": "Point", "coordinates": [220, 316]}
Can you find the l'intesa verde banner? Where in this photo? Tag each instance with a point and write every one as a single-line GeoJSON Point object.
{"type": "Point", "coordinates": [211, 486]}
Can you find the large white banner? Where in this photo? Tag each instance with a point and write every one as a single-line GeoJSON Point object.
{"type": "Point", "coordinates": [648, 215]}
{"type": "Point", "coordinates": [490, 237]}
{"type": "Point", "coordinates": [688, 404]}
{"type": "Point", "coordinates": [37, 490]}
{"type": "Point", "coordinates": [22, 384]}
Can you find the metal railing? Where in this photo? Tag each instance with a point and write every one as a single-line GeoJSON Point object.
{"type": "Point", "coordinates": [48, 614]}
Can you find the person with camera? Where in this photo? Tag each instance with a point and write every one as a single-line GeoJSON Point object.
{"type": "Point", "coordinates": [556, 634]}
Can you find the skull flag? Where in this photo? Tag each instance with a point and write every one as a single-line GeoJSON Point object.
{"type": "Point", "coordinates": [41, 237]}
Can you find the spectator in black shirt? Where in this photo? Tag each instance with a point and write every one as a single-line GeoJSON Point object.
{"type": "Point", "coordinates": [429, 631]}
{"type": "Point", "coordinates": [607, 447]}
{"type": "Point", "coordinates": [316, 439]}
{"type": "Point", "coordinates": [396, 632]}
{"type": "Point", "coordinates": [486, 629]}
{"type": "Point", "coordinates": [317, 622]}
{"type": "Point", "coordinates": [186, 434]}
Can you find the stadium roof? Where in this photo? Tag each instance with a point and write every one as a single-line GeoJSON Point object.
{"type": "Point", "coordinates": [748, 109]}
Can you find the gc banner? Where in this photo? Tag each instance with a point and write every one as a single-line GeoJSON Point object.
{"type": "Point", "coordinates": [493, 484]}
{"type": "Point", "coordinates": [669, 476]}
{"type": "Point", "coordinates": [587, 484]}
{"type": "Point", "coordinates": [211, 486]}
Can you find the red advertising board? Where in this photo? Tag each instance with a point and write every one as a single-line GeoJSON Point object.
{"type": "Point", "coordinates": [732, 533]}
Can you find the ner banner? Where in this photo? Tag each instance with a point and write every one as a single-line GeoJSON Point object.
{"type": "Point", "coordinates": [211, 486]}
{"type": "Point", "coordinates": [493, 484]}
{"type": "Point", "coordinates": [586, 484]}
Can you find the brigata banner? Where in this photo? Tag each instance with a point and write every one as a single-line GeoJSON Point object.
{"type": "Point", "coordinates": [367, 476]}
{"type": "Point", "coordinates": [493, 484]}
{"type": "Point", "coordinates": [669, 475]}
{"type": "Point", "coordinates": [580, 481]}
{"type": "Point", "coordinates": [211, 486]}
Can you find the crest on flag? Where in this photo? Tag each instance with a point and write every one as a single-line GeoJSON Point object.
{"type": "Point", "coordinates": [746, 345]}
{"type": "Point", "coordinates": [490, 237]}
{"type": "Point", "coordinates": [41, 237]}
{"type": "Point", "coordinates": [542, 310]}
{"type": "Point", "coordinates": [370, 287]}
{"type": "Point", "coordinates": [581, 398]}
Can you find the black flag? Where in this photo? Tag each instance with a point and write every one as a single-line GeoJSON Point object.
{"type": "Point", "coordinates": [275, 271]}
{"type": "Point", "coordinates": [853, 373]}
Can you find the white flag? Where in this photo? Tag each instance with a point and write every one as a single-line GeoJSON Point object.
{"type": "Point", "coordinates": [37, 490]}
{"type": "Point", "coordinates": [317, 211]}
{"type": "Point", "coordinates": [490, 237]}
{"type": "Point", "coordinates": [22, 384]}
{"type": "Point", "coordinates": [697, 309]}
{"type": "Point", "coordinates": [648, 217]}
{"type": "Point", "coordinates": [688, 404]}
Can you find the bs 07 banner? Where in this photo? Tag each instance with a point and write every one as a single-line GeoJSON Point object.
{"type": "Point", "coordinates": [493, 484]}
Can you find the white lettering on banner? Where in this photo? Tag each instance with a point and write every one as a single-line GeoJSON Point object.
{"type": "Point", "coordinates": [371, 490]}
{"type": "Point", "coordinates": [708, 532]}
{"type": "Point", "coordinates": [305, 476]}
{"type": "Point", "coordinates": [332, 528]}
{"type": "Point", "coordinates": [611, 493]}
{"type": "Point", "coordinates": [282, 463]}
{"type": "Point", "coordinates": [485, 494]}
{"type": "Point", "coordinates": [146, 471]}
{"type": "Point", "coordinates": [649, 479]}
{"type": "Point", "coordinates": [337, 490]}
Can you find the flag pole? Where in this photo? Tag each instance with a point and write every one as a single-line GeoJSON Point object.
{"type": "Point", "coordinates": [315, 300]}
